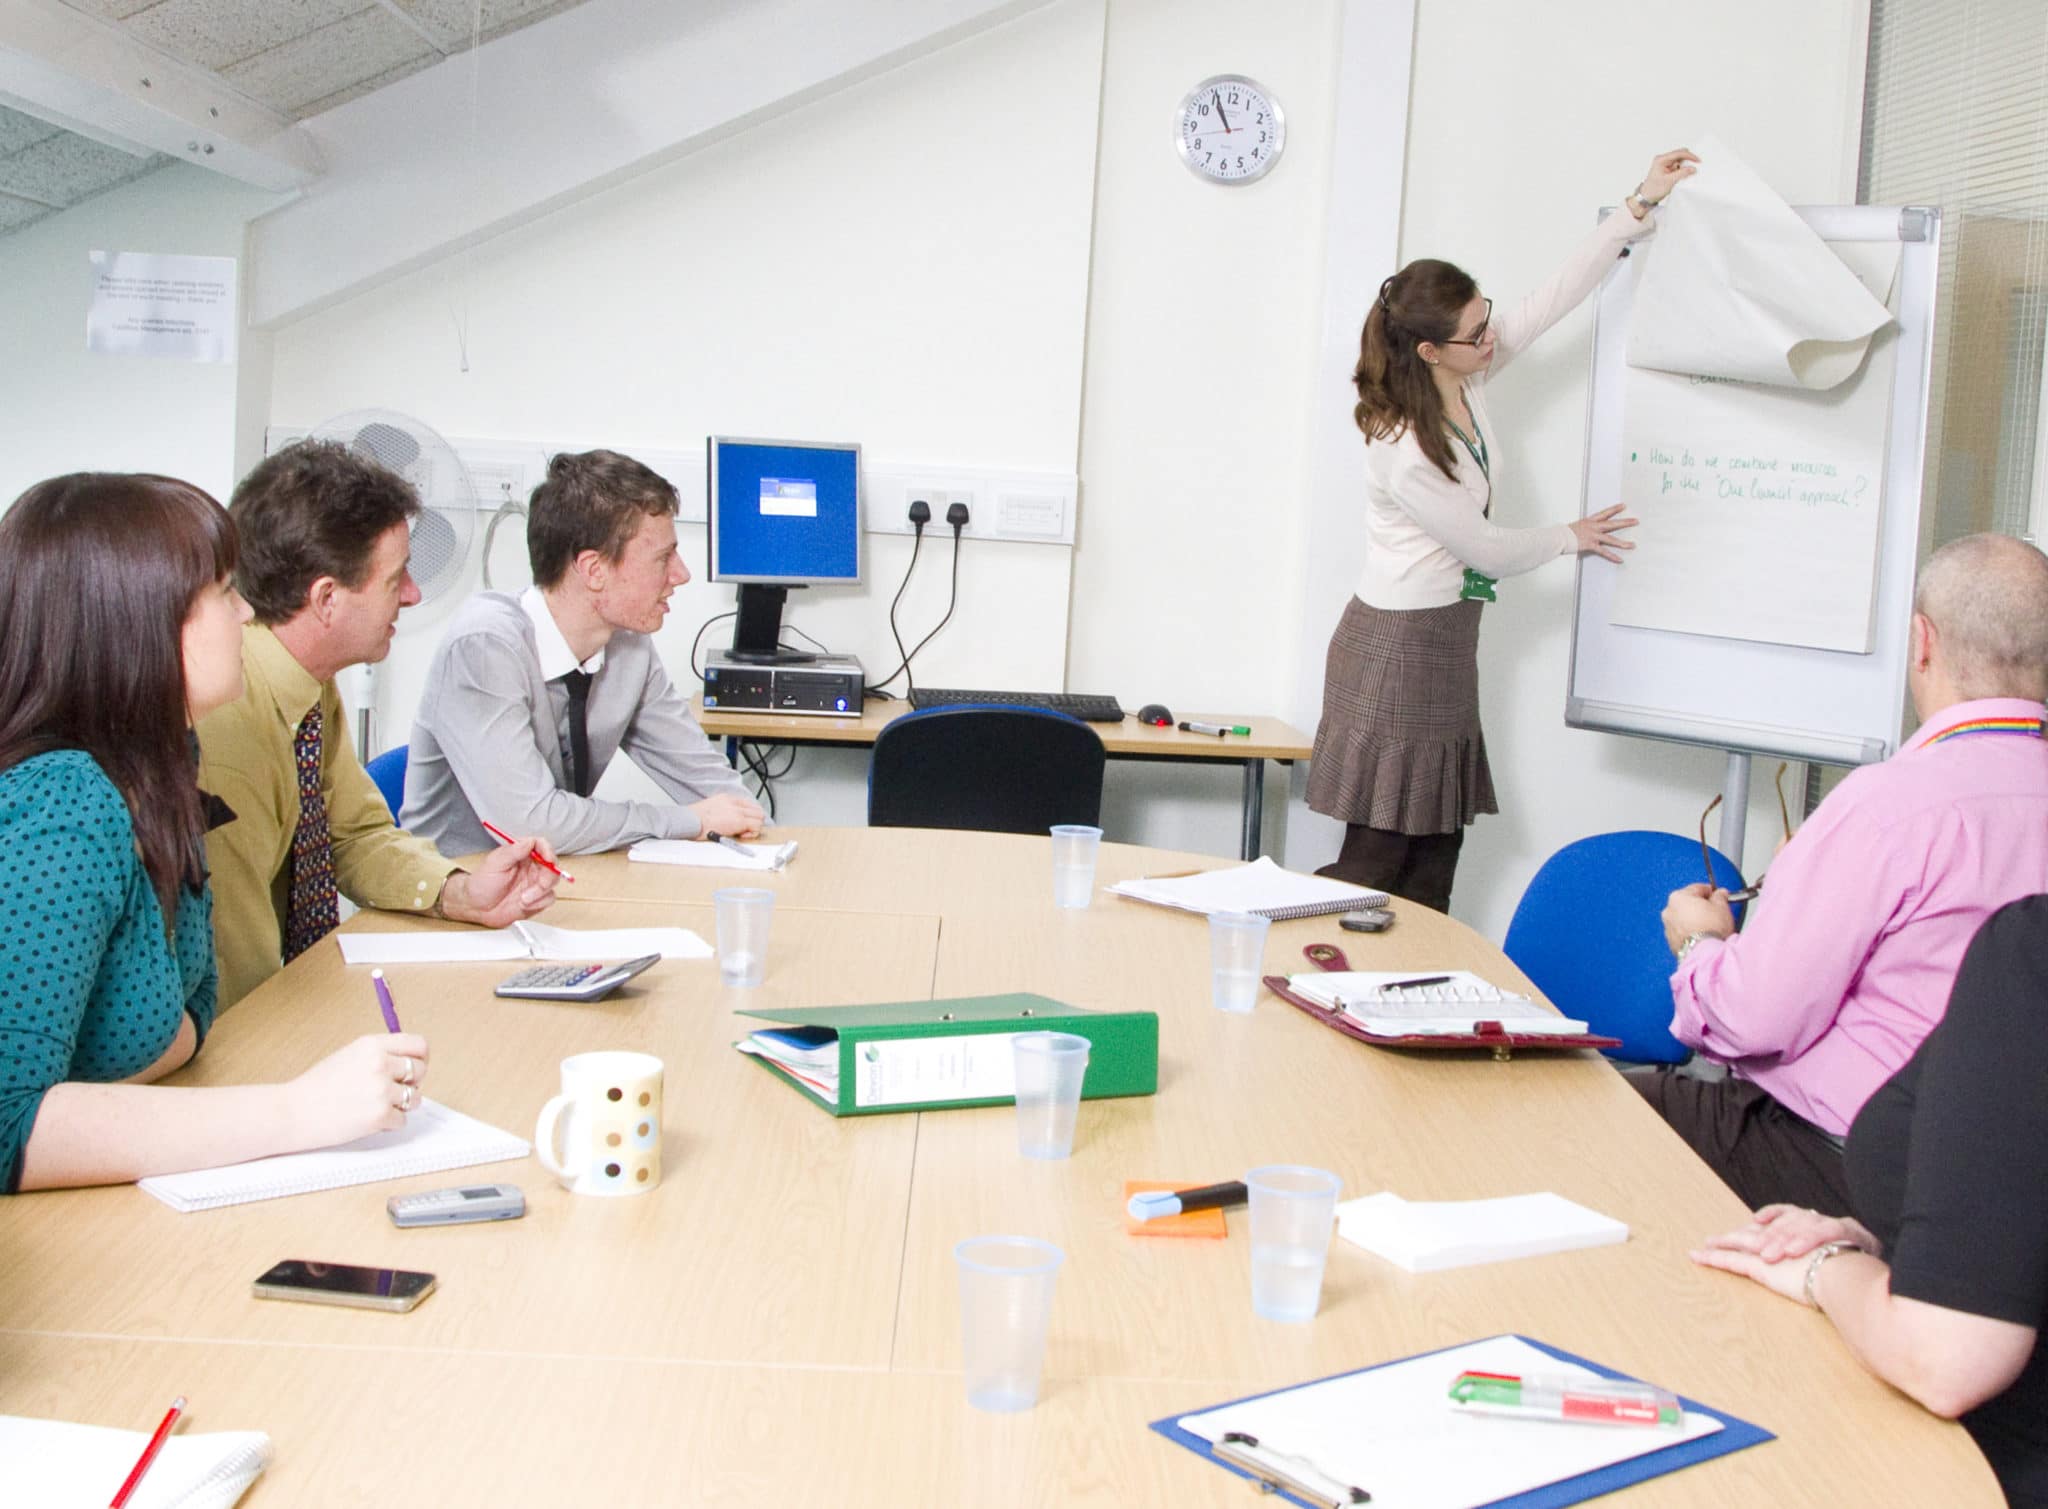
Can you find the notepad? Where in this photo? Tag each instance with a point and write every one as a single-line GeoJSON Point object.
{"type": "Point", "coordinates": [522, 940]}
{"type": "Point", "coordinates": [1392, 1431]}
{"type": "Point", "coordinates": [1261, 888]}
{"type": "Point", "coordinates": [712, 856]}
{"type": "Point", "coordinates": [433, 1138]}
{"type": "Point", "coordinates": [1427, 1236]}
{"type": "Point", "coordinates": [1379, 1003]}
{"type": "Point", "coordinates": [56, 1464]}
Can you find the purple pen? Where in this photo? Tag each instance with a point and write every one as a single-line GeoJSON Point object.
{"type": "Point", "coordinates": [384, 1000]}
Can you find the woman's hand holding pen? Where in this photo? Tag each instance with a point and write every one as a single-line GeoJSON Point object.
{"type": "Point", "coordinates": [1598, 534]}
{"type": "Point", "coordinates": [367, 1086]}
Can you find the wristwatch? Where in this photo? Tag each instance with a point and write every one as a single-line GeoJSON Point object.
{"type": "Point", "coordinates": [1820, 1255]}
{"type": "Point", "coordinates": [1690, 939]}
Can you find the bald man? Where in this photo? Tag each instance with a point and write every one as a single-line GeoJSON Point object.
{"type": "Point", "coordinates": [1847, 958]}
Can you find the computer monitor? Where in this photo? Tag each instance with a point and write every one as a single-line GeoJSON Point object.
{"type": "Point", "coordinates": [782, 514]}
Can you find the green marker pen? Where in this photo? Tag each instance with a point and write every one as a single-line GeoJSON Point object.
{"type": "Point", "coordinates": [1218, 729]}
{"type": "Point", "coordinates": [1556, 1396]}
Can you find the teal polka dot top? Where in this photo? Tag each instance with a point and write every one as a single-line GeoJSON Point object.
{"type": "Point", "coordinates": [90, 987]}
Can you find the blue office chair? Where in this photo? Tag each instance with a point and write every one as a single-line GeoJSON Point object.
{"type": "Point", "coordinates": [388, 771]}
{"type": "Point", "coordinates": [997, 769]}
{"type": "Point", "coordinates": [1587, 932]}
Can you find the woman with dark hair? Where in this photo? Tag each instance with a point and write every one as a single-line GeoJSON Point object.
{"type": "Point", "coordinates": [120, 625]}
{"type": "Point", "coordinates": [1399, 755]}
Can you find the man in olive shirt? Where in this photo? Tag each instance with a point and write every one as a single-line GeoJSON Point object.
{"type": "Point", "coordinates": [324, 564]}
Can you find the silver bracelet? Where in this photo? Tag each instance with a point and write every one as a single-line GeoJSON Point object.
{"type": "Point", "coordinates": [1820, 1255]}
{"type": "Point", "coordinates": [1645, 200]}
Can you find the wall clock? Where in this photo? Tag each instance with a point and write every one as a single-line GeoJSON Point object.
{"type": "Point", "coordinates": [1229, 129]}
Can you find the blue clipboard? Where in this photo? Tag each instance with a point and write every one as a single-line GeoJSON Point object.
{"type": "Point", "coordinates": [1734, 1435]}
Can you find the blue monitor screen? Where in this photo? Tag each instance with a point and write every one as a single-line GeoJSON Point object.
{"type": "Point", "coordinates": [782, 511]}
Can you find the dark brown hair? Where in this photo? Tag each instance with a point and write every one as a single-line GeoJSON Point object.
{"type": "Point", "coordinates": [314, 509]}
{"type": "Point", "coordinates": [1421, 302]}
{"type": "Point", "coordinates": [591, 500]}
{"type": "Point", "coordinates": [98, 573]}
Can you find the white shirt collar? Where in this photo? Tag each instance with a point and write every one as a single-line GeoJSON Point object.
{"type": "Point", "coordinates": [556, 658]}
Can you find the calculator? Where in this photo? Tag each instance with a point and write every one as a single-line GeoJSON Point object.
{"type": "Point", "coordinates": [574, 982]}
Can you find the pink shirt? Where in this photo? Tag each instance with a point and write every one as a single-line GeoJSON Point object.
{"type": "Point", "coordinates": [1846, 960]}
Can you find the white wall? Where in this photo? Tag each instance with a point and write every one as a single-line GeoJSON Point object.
{"type": "Point", "coordinates": [68, 409]}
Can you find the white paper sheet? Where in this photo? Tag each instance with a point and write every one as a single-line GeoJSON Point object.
{"type": "Point", "coordinates": [1427, 1236]}
{"type": "Point", "coordinates": [712, 856]}
{"type": "Point", "coordinates": [1742, 288]}
{"type": "Point", "coordinates": [55, 1464]}
{"type": "Point", "coordinates": [151, 304]}
{"type": "Point", "coordinates": [1393, 1431]}
{"type": "Point", "coordinates": [522, 940]}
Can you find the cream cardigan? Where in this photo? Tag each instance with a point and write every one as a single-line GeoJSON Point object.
{"type": "Point", "coordinates": [1422, 528]}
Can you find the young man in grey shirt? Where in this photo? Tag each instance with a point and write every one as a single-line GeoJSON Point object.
{"type": "Point", "coordinates": [529, 697]}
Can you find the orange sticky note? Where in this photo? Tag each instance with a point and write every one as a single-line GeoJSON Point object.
{"type": "Point", "coordinates": [1189, 1223]}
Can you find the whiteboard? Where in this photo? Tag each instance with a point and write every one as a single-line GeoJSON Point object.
{"type": "Point", "coordinates": [1841, 706]}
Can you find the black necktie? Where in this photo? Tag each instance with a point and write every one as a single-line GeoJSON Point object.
{"type": "Point", "coordinates": [578, 683]}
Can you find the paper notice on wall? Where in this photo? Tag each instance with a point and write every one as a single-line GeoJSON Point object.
{"type": "Point", "coordinates": [150, 304]}
{"type": "Point", "coordinates": [1742, 288]}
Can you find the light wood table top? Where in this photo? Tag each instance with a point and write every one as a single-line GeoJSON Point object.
{"type": "Point", "coordinates": [779, 1321]}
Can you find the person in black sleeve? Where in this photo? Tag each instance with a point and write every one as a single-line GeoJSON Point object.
{"type": "Point", "coordinates": [1940, 1286]}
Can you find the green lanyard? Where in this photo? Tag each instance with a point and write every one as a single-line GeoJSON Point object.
{"type": "Point", "coordinates": [1477, 586]}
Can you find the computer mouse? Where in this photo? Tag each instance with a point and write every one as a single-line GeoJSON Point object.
{"type": "Point", "coordinates": [1156, 714]}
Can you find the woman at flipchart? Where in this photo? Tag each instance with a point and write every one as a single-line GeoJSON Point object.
{"type": "Point", "coordinates": [1399, 754]}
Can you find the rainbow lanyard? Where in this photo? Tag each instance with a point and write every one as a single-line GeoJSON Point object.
{"type": "Point", "coordinates": [2033, 728]}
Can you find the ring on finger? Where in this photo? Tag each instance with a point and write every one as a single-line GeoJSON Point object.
{"type": "Point", "coordinates": [405, 1099]}
{"type": "Point", "coordinates": [406, 1078]}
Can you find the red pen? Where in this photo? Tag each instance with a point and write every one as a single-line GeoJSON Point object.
{"type": "Point", "coordinates": [545, 863]}
{"type": "Point", "coordinates": [156, 1444]}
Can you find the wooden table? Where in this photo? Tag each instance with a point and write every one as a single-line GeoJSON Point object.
{"type": "Point", "coordinates": [1270, 739]}
{"type": "Point", "coordinates": [779, 1321]}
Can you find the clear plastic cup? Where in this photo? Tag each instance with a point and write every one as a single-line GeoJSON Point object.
{"type": "Point", "coordinates": [1005, 1310]}
{"type": "Point", "coordinates": [1050, 1067]}
{"type": "Point", "coordinates": [1237, 947]}
{"type": "Point", "coordinates": [1293, 1212]}
{"type": "Point", "coordinates": [1074, 846]}
{"type": "Point", "coordinates": [743, 913]}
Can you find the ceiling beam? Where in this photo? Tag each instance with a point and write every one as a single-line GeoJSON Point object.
{"type": "Point", "coordinates": [90, 76]}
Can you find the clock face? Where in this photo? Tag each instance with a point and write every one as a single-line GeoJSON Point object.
{"type": "Point", "coordinates": [1229, 130]}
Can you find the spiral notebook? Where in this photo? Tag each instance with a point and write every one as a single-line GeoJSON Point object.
{"type": "Point", "coordinates": [1261, 888]}
{"type": "Point", "coordinates": [433, 1138]}
{"type": "Point", "coordinates": [55, 1464]}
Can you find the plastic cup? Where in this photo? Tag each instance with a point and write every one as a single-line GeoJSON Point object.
{"type": "Point", "coordinates": [1050, 1068]}
{"type": "Point", "coordinates": [1074, 846]}
{"type": "Point", "coordinates": [1237, 947]}
{"type": "Point", "coordinates": [743, 913]}
{"type": "Point", "coordinates": [1005, 1310]}
{"type": "Point", "coordinates": [1293, 1212]}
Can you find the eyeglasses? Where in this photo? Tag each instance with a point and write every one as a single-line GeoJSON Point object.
{"type": "Point", "coordinates": [1478, 337]}
{"type": "Point", "coordinates": [1784, 816]}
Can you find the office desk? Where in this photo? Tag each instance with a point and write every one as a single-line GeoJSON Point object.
{"type": "Point", "coordinates": [1270, 739]}
{"type": "Point", "coordinates": [779, 1322]}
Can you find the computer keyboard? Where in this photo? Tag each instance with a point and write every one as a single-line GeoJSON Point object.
{"type": "Point", "coordinates": [1089, 707]}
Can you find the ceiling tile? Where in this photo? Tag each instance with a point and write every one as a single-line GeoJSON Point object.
{"type": "Point", "coordinates": [451, 19]}
{"type": "Point", "coordinates": [327, 61]}
{"type": "Point", "coordinates": [18, 130]}
{"type": "Point", "coordinates": [343, 96]}
{"type": "Point", "coordinates": [65, 168]}
{"type": "Point", "coordinates": [15, 213]}
{"type": "Point", "coordinates": [215, 33]}
{"type": "Point", "coordinates": [114, 9]}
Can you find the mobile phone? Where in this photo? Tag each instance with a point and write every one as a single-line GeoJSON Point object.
{"type": "Point", "coordinates": [452, 1207]}
{"type": "Point", "coordinates": [395, 1289]}
{"type": "Point", "coordinates": [1375, 919]}
{"type": "Point", "coordinates": [574, 982]}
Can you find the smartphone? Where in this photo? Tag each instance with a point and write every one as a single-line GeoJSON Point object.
{"type": "Point", "coordinates": [574, 982]}
{"type": "Point", "coordinates": [452, 1207]}
{"type": "Point", "coordinates": [395, 1289]}
{"type": "Point", "coordinates": [1372, 920]}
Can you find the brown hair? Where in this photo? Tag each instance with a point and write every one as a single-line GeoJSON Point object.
{"type": "Point", "coordinates": [98, 573]}
{"type": "Point", "coordinates": [1421, 302]}
{"type": "Point", "coordinates": [314, 509]}
{"type": "Point", "coordinates": [591, 500]}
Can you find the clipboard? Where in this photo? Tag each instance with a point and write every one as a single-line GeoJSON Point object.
{"type": "Point", "coordinates": [1490, 1035]}
{"type": "Point", "coordinates": [1735, 1435]}
{"type": "Point", "coordinates": [880, 1047]}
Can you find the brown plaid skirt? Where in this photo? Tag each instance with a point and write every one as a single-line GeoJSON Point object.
{"type": "Point", "coordinates": [1399, 746]}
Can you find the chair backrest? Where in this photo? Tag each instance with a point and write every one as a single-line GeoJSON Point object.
{"type": "Point", "coordinates": [1588, 932]}
{"type": "Point", "coordinates": [998, 769]}
{"type": "Point", "coordinates": [388, 771]}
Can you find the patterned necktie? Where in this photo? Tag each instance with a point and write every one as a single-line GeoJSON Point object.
{"type": "Point", "coordinates": [578, 683]}
{"type": "Point", "coordinates": [314, 910]}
